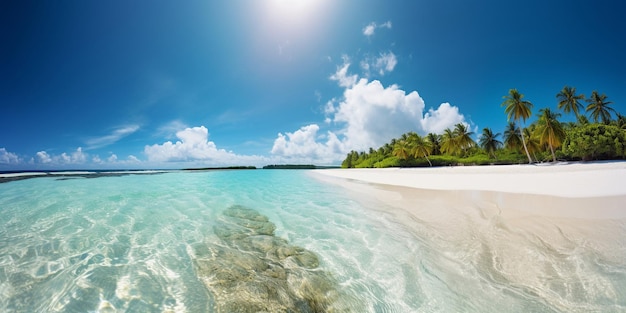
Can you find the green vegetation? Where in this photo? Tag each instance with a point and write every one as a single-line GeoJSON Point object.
{"type": "Point", "coordinates": [546, 139]}
{"type": "Point", "coordinates": [294, 167]}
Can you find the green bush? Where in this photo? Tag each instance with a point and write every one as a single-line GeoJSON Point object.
{"type": "Point", "coordinates": [595, 142]}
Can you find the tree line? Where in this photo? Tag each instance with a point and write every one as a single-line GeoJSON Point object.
{"type": "Point", "coordinates": [547, 139]}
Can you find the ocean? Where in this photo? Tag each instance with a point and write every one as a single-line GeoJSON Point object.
{"type": "Point", "coordinates": [263, 241]}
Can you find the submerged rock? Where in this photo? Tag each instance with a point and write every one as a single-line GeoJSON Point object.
{"type": "Point", "coordinates": [251, 270]}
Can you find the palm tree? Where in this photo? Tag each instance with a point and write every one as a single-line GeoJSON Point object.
{"type": "Point", "coordinates": [549, 130]}
{"type": "Point", "coordinates": [599, 107]}
{"type": "Point", "coordinates": [517, 109]}
{"type": "Point", "coordinates": [388, 147]}
{"type": "Point", "coordinates": [401, 149]}
{"type": "Point", "coordinates": [420, 147]}
{"type": "Point", "coordinates": [512, 138]}
{"type": "Point", "coordinates": [582, 120]}
{"type": "Point", "coordinates": [620, 121]}
{"type": "Point", "coordinates": [569, 100]}
{"type": "Point", "coordinates": [531, 140]}
{"type": "Point", "coordinates": [489, 141]}
{"type": "Point", "coordinates": [463, 138]}
{"type": "Point", "coordinates": [435, 140]}
{"type": "Point", "coordinates": [448, 142]}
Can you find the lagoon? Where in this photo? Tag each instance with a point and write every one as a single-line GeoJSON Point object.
{"type": "Point", "coordinates": [281, 241]}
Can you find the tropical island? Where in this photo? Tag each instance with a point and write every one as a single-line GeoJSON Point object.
{"type": "Point", "coordinates": [547, 139]}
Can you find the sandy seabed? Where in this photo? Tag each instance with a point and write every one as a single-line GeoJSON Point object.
{"type": "Point", "coordinates": [554, 233]}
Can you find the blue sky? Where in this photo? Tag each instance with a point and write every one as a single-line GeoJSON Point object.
{"type": "Point", "coordinates": [163, 84]}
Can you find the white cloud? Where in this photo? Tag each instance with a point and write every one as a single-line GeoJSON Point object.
{"type": "Point", "coordinates": [112, 158]}
{"type": "Point", "coordinates": [303, 146]}
{"type": "Point", "coordinates": [76, 157]}
{"type": "Point", "coordinates": [342, 77]}
{"type": "Point", "coordinates": [114, 161]}
{"type": "Point", "coordinates": [99, 142]}
{"type": "Point", "coordinates": [194, 147]}
{"type": "Point", "coordinates": [7, 157]}
{"type": "Point", "coordinates": [368, 115]}
{"type": "Point", "coordinates": [371, 28]}
{"type": "Point", "coordinates": [43, 157]}
{"type": "Point", "coordinates": [373, 114]}
{"type": "Point", "coordinates": [384, 63]}
{"type": "Point", "coordinates": [435, 121]}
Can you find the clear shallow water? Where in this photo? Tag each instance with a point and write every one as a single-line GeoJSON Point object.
{"type": "Point", "coordinates": [171, 242]}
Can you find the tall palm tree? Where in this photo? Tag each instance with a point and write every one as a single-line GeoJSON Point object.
{"type": "Point", "coordinates": [463, 138]}
{"type": "Point", "coordinates": [599, 107]}
{"type": "Point", "coordinates": [512, 138]}
{"type": "Point", "coordinates": [420, 147]}
{"type": "Point", "coordinates": [448, 142]}
{"type": "Point", "coordinates": [489, 141]}
{"type": "Point", "coordinates": [401, 149]}
{"type": "Point", "coordinates": [517, 108]}
{"type": "Point", "coordinates": [549, 130]}
{"type": "Point", "coordinates": [569, 101]}
{"type": "Point", "coordinates": [531, 141]}
{"type": "Point", "coordinates": [435, 140]}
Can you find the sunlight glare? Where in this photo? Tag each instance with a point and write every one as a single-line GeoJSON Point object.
{"type": "Point", "coordinates": [292, 7]}
{"type": "Point", "coordinates": [294, 11]}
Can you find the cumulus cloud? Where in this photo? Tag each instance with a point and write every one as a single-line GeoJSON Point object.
{"type": "Point", "coordinates": [114, 161]}
{"type": "Point", "coordinates": [112, 158]}
{"type": "Point", "coordinates": [304, 144]}
{"type": "Point", "coordinates": [76, 157]}
{"type": "Point", "coordinates": [369, 115]}
{"type": "Point", "coordinates": [130, 160]}
{"type": "Point", "coordinates": [43, 157]}
{"type": "Point", "coordinates": [116, 135]}
{"type": "Point", "coordinates": [446, 115]}
{"type": "Point", "coordinates": [370, 29]}
{"type": "Point", "coordinates": [7, 157]}
{"type": "Point", "coordinates": [194, 146]}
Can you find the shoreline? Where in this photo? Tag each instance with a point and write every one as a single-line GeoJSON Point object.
{"type": "Point", "coordinates": [580, 191]}
{"type": "Point", "coordinates": [572, 180]}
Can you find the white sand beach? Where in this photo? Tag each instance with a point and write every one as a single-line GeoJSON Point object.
{"type": "Point", "coordinates": [547, 232]}
{"type": "Point", "coordinates": [594, 189]}
{"type": "Point", "coordinates": [575, 180]}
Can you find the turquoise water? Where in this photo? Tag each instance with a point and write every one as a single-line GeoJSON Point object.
{"type": "Point", "coordinates": [240, 241]}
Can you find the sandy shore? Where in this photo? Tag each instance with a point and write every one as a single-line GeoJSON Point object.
{"type": "Point", "coordinates": [577, 180]}
{"type": "Point", "coordinates": [573, 190]}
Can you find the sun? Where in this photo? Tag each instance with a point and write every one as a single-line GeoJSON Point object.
{"type": "Point", "coordinates": [295, 11]}
{"type": "Point", "coordinates": [293, 7]}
